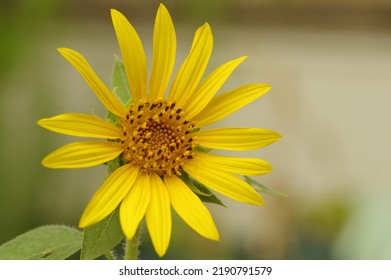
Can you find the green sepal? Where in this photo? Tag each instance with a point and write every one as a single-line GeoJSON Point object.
{"type": "Point", "coordinates": [200, 190]}
{"type": "Point", "coordinates": [121, 89]}
{"type": "Point", "coordinates": [263, 189]}
{"type": "Point", "coordinates": [114, 119]}
{"type": "Point", "coordinates": [52, 242]}
{"type": "Point", "coordinates": [188, 181]}
{"type": "Point", "coordinates": [114, 164]}
{"type": "Point", "coordinates": [102, 237]}
{"type": "Point", "coordinates": [196, 129]}
{"type": "Point", "coordinates": [119, 81]}
{"type": "Point", "coordinates": [203, 149]}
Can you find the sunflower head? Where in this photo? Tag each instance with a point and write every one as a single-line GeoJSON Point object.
{"type": "Point", "coordinates": [158, 137]}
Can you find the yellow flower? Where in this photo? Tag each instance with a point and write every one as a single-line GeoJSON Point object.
{"type": "Point", "coordinates": [157, 136]}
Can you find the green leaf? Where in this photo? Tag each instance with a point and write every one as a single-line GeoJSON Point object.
{"type": "Point", "coordinates": [263, 189]}
{"type": "Point", "coordinates": [114, 164]}
{"type": "Point", "coordinates": [120, 81]}
{"type": "Point", "coordinates": [101, 237]}
{"type": "Point", "coordinates": [189, 182]}
{"type": "Point", "coordinates": [53, 242]}
{"type": "Point", "coordinates": [200, 190]}
{"type": "Point", "coordinates": [114, 119]}
{"type": "Point", "coordinates": [203, 149]}
{"type": "Point", "coordinates": [120, 85]}
{"type": "Point", "coordinates": [212, 199]}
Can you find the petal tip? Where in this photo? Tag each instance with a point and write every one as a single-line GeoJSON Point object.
{"type": "Point", "coordinates": [215, 236]}
{"type": "Point", "coordinates": [263, 88]}
{"type": "Point", "coordinates": [206, 27]}
{"type": "Point", "coordinates": [39, 122]}
{"type": "Point", "coordinates": [267, 166]}
{"type": "Point", "coordinates": [64, 51]}
{"type": "Point", "coordinates": [85, 221]}
{"type": "Point", "coordinates": [114, 12]}
{"type": "Point", "coordinates": [82, 224]}
{"type": "Point", "coordinates": [128, 234]}
{"type": "Point", "coordinates": [43, 163]}
{"type": "Point", "coordinates": [162, 6]}
{"type": "Point", "coordinates": [47, 163]}
{"type": "Point", "coordinates": [161, 251]}
{"type": "Point", "coordinates": [259, 201]}
{"type": "Point", "coordinates": [116, 16]}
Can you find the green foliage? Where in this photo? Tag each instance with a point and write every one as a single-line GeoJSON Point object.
{"type": "Point", "coordinates": [201, 190]}
{"type": "Point", "coordinates": [54, 242]}
{"type": "Point", "coordinates": [120, 82]}
{"type": "Point", "coordinates": [100, 238]}
{"type": "Point", "coordinates": [112, 118]}
{"type": "Point", "coordinates": [263, 189]}
{"type": "Point", "coordinates": [203, 149]}
{"type": "Point", "coordinates": [120, 87]}
{"type": "Point", "coordinates": [114, 164]}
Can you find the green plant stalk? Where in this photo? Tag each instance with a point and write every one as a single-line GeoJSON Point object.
{"type": "Point", "coordinates": [110, 256]}
{"type": "Point", "coordinates": [132, 246]}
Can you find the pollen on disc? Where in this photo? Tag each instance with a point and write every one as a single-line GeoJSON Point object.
{"type": "Point", "coordinates": [157, 137]}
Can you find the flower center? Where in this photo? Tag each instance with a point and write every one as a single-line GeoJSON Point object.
{"type": "Point", "coordinates": [157, 137]}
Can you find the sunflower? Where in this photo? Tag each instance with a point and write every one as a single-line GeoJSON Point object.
{"type": "Point", "coordinates": [158, 136]}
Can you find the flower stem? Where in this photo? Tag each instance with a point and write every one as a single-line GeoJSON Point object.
{"type": "Point", "coordinates": [110, 256]}
{"type": "Point", "coordinates": [132, 246]}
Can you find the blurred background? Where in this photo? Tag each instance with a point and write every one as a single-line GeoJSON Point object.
{"type": "Point", "coordinates": [329, 62]}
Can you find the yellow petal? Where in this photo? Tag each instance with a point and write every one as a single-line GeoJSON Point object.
{"type": "Point", "coordinates": [82, 154]}
{"type": "Point", "coordinates": [197, 100]}
{"type": "Point", "coordinates": [104, 94]}
{"type": "Point", "coordinates": [158, 215]}
{"type": "Point", "coordinates": [135, 204]}
{"type": "Point", "coordinates": [224, 104]}
{"type": "Point", "coordinates": [192, 69]}
{"type": "Point", "coordinates": [133, 55]}
{"type": "Point", "coordinates": [223, 182]}
{"type": "Point", "coordinates": [238, 139]}
{"type": "Point", "coordinates": [243, 166]}
{"type": "Point", "coordinates": [190, 208]}
{"type": "Point", "coordinates": [109, 195]}
{"type": "Point", "coordinates": [164, 47]}
{"type": "Point", "coordinates": [81, 125]}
